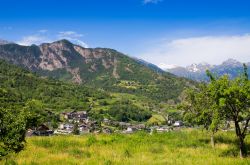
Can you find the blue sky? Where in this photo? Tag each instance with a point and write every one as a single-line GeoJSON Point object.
{"type": "Point", "coordinates": [164, 32]}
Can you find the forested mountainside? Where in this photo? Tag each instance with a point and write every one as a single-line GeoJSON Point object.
{"type": "Point", "coordinates": [21, 85]}
{"type": "Point", "coordinates": [47, 96]}
{"type": "Point", "coordinates": [102, 68]}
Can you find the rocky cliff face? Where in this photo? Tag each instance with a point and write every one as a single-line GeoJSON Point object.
{"type": "Point", "coordinates": [60, 55]}
{"type": "Point", "coordinates": [53, 55]}
{"type": "Point", "coordinates": [26, 56]}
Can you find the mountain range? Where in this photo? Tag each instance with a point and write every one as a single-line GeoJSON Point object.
{"type": "Point", "coordinates": [3, 42]}
{"type": "Point", "coordinates": [230, 67]}
{"type": "Point", "coordinates": [101, 68]}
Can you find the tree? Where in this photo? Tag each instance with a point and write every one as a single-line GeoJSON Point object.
{"type": "Point", "coordinates": [199, 108]}
{"type": "Point", "coordinates": [12, 123]}
{"type": "Point", "coordinates": [34, 113]}
{"type": "Point", "coordinates": [233, 98]}
{"type": "Point", "coordinates": [12, 131]}
{"type": "Point", "coordinates": [126, 111]}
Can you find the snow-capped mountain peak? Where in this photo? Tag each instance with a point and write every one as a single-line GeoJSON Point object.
{"type": "Point", "coordinates": [198, 67]}
{"type": "Point", "coordinates": [231, 62]}
{"type": "Point", "coordinates": [230, 67]}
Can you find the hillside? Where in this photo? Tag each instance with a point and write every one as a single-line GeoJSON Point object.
{"type": "Point", "coordinates": [98, 68]}
{"type": "Point", "coordinates": [19, 86]}
{"type": "Point", "coordinates": [231, 67]}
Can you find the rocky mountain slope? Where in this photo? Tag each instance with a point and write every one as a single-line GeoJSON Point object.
{"type": "Point", "coordinates": [99, 67]}
{"type": "Point", "coordinates": [197, 72]}
{"type": "Point", "coordinates": [3, 42]}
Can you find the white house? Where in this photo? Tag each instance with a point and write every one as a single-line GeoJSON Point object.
{"type": "Point", "coordinates": [178, 123]}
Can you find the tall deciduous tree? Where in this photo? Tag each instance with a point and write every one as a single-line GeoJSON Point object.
{"type": "Point", "coordinates": [233, 97]}
{"type": "Point", "coordinates": [199, 108]}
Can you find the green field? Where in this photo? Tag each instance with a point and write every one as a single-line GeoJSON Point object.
{"type": "Point", "coordinates": [180, 147]}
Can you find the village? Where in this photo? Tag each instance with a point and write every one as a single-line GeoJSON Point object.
{"type": "Point", "coordinates": [79, 123]}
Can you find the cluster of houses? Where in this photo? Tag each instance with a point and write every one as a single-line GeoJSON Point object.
{"type": "Point", "coordinates": [67, 127]}
{"type": "Point", "coordinates": [42, 130]}
{"type": "Point", "coordinates": [129, 128]}
{"type": "Point", "coordinates": [79, 120]}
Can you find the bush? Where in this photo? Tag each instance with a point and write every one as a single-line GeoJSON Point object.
{"type": "Point", "coordinates": [123, 111]}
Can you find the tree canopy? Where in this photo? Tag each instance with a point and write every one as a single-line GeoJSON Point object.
{"type": "Point", "coordinates": [223, 99]}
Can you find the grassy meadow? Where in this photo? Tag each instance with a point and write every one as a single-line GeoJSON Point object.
{"type": "Point", "coordinates": [181, 147]}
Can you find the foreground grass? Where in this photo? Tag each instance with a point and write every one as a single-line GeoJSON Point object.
{"type": "Point", "coordinates": [183, 147]}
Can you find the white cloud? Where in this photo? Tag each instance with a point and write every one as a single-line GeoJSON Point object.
{"type": "Point", "coordinates": [73, 37]}
{"type": "Point", "coordinates": [77, 42]}
{"type": "Point", "coordinates": [151, 1]}
{"type": "Point", "coordinates": [33, 39]}
{"type": "Point", "coordinates": [42, 36]}
{"type": "Point", "coordinates": [167, 66]}
{"type": "Point", "coordinates": [71, 34]}
{"type": "Point", "coordinates": [38, 38]}
{"type": "Point", "coordinates": [211, 49]}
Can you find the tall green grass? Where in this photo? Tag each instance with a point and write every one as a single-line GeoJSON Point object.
{"type": "Point", "coordinates": [182, 147]}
